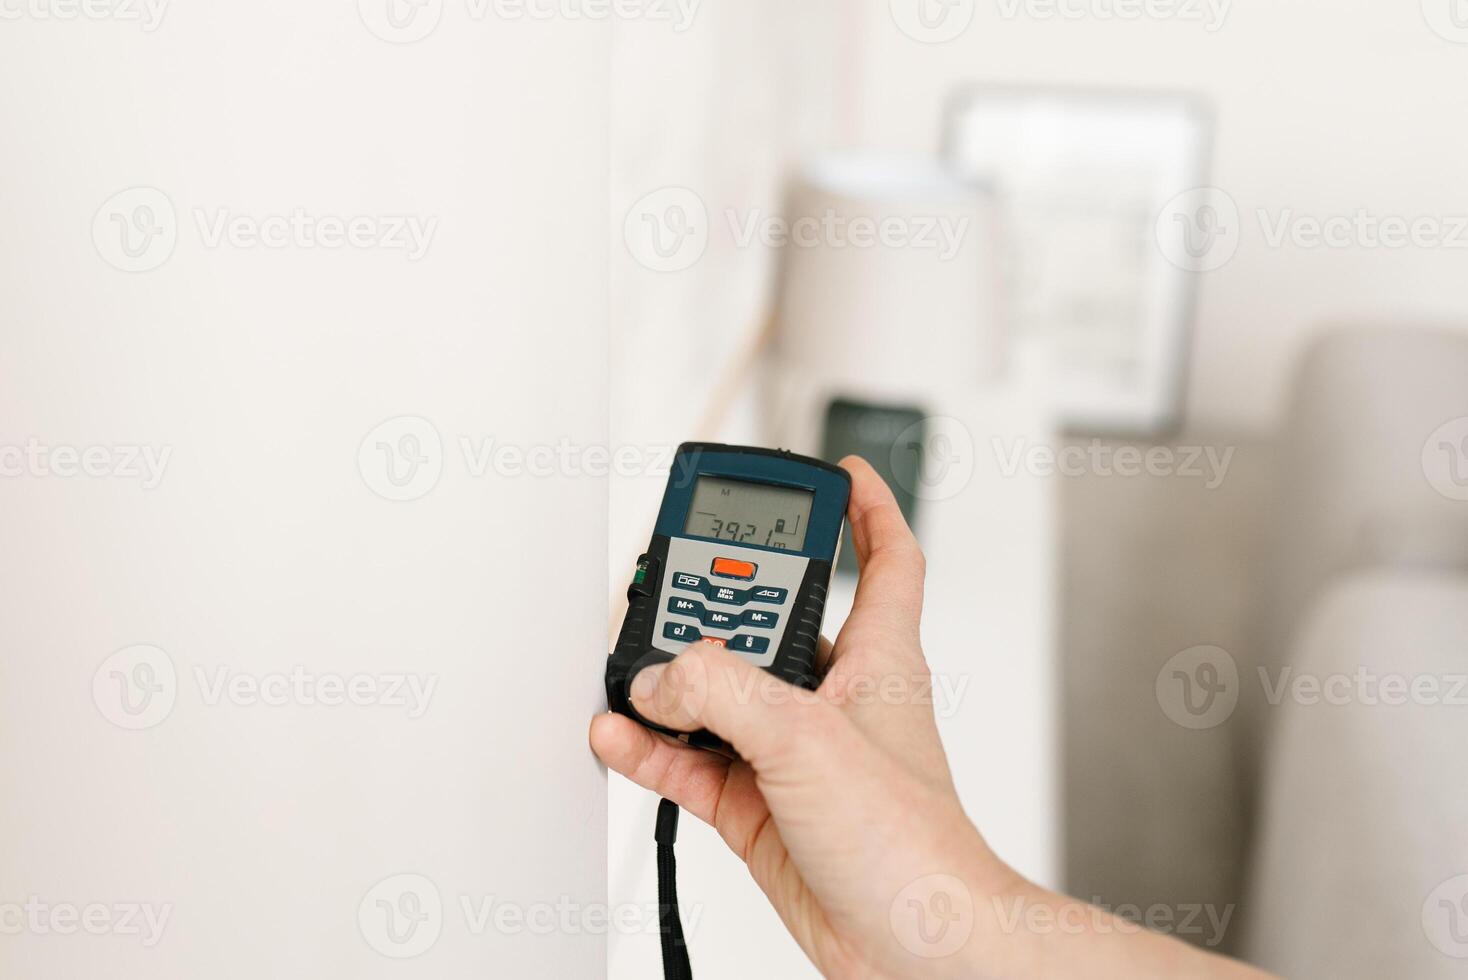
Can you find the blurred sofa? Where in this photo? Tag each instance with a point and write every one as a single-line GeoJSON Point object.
{"type": "Point", "coordinates": [1320, 830]}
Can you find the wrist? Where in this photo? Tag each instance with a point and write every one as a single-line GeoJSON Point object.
{"type": "Point", "coordinates": [1002, 900]}
{"type": "Point", "coordinates": [960, 923]}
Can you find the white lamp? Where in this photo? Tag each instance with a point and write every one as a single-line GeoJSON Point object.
{"type": "Point", "coordinates": [889, 292]}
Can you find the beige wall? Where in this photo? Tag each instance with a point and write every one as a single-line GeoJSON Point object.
{"type": "Point", "coordinates": [268, 545]}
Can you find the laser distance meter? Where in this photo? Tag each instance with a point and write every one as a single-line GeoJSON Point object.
{"type": "Point", "coordinates": [741, 555]}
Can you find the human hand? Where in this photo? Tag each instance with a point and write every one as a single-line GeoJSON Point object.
{"type": "Point", "coordinates": [842, 804]}
{"type": "Point", "coordinates": [839, 802]}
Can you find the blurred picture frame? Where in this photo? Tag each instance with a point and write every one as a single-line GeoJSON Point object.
{"type": "Point", "coordinates": [1080, 179]}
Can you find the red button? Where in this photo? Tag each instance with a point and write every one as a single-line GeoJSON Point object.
{"type": "Point", "coordinates": [729, 568]}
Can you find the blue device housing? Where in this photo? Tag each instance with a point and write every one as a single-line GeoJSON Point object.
{"type": "Point", "coordinates": [795, 659]}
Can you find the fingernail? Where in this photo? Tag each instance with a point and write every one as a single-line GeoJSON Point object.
{"type": "Point", "coordinates": [645, 684]}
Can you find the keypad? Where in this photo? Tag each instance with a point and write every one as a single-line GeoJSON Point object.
{"type": "Point", "coordinates": [715, 591]}
{"type": "Point", "coordinates": [731, 621]}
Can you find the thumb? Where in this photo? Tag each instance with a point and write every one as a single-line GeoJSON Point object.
{"type": "Point", "coordinates": [706, 686]}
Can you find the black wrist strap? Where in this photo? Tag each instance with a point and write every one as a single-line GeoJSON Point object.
{"type": "Point", "coordinates": [670, 926]}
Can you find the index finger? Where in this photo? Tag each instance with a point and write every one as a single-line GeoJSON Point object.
{"type": "Point", "coordinates": [889, 591]}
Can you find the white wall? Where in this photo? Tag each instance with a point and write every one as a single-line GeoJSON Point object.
{"type": "Point", "coordinates": [262, 829]}
{"type": "Point", "coordinates": [1324, 107]}
{"type": "Point", "coordinates": [714, 115]}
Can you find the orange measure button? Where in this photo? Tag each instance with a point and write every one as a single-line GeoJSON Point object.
{"type": "Point", "coordinates": [729, 568]}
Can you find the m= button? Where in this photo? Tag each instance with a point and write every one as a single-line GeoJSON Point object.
{"type": "Point", "coordinates": [722, 621]}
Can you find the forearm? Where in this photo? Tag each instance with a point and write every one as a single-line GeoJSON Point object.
{"type": "Point", "coordinates": [1028, 932]}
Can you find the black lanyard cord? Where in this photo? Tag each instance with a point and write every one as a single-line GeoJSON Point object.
{"type": "Point", "coordinates": [670, 926]}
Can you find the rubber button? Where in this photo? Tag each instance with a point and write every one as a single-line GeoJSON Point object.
{"type": "Point", "coordinates": [762, 620]}
{"type": "Point", "coordinates": [733, 568]}
{"type": "Point", "coordinates": [685, 607]}
{"type": "Point", "coordinates": [750, 644]}
{"type": "Point", "coordinates": [719, 620]}
{"type": "Point", "coordinates": [723, 593]}
{"type": "Point", "coordinates": [682, 632]}
{"type": "Point", "coordinates": [693, 583]}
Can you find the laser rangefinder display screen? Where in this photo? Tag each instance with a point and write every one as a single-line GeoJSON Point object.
{"type": "Point", "coordinates": [749, 513]}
